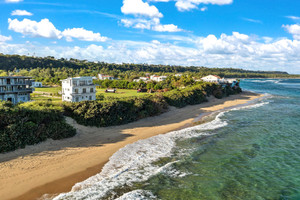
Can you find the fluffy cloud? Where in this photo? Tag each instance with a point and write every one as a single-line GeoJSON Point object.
{"type": "Point", "coordinates": [46, 29]}
{"type": "Point", "coordinates": [5, 38]}
{"type": "Point", "coordinates": [139, 8]}
{"type": "Point", "coordinates": [234, 50]}
{"type": "Point", "coordinates": [21, 13]}
{"type": "Point", "coordinates": [147, 17]}
{"type": "Point", "coordinates": [150, 24]}
{"type": "Point", "coordinates": [13, 1]}
{"type": "Point", "coordinates": [294, 30]}
{"type": "Point", "coordinates": [82, 34]}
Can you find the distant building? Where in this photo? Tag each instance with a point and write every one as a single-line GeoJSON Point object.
{"type": "Point", "coordinates": [105, 77]}
{"type": "Point", "coordinates": [144, 79]}
{"type": "Point", "coordinates": [78, 89]}
{"type": "Point", "coordinates": [178, 75]}
{"type": "Point", "coordinates": [15, 89]}
{"type": "Point", "coordinates": [158, 78]}
{"type": "Point", "coordinates": [37, 84]}
{"type": "Point", "coordinates": [211, 78]}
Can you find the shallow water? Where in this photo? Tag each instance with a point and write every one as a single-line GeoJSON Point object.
{"type": "Point", "coordinates": [246, 153]}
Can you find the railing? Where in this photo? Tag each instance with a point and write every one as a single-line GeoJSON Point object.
{"type": "Point", "coordinates": [16, 83]}
{"type": "Point", "coordinates": [16, 91]}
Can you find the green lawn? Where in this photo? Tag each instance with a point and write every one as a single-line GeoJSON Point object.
{"type": "Point", "coordinates": [39, 96]}
{"type": "Point", "coordinates": [43, 98]}
{"type": "Point", "coordinates": [121, 93]}
{"type": "Point", "coordinates": [49, 90]}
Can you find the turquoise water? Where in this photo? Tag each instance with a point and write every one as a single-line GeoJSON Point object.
{"type": "Point", "coordinates": [248, 153]}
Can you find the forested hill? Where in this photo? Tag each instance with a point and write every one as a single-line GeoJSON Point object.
{"type": "Point", "coordinates": [13, 62]}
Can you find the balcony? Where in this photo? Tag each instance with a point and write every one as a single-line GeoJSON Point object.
{"type": "Point", "coordinates": [27, 90]}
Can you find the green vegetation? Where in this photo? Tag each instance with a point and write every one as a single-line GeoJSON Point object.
{"type": "Point", "coordinates": [120, 93]}
{"type": "Point", "coordinates": [31, 123]}
{"type": "Point", "coordinates": [50, 70]}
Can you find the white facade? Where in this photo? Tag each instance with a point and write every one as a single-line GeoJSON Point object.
{"type": "Point", "coordinates": [37, 84]}
{"type": "Point", "coordinates": [158, 78]}
{"type": "Point", "coordinates": [211, 78]}
{"type": "Point", "coordinates": [145, 79]}
{"type": "Point", "coordinates": [78, 89]}
{"type": "Point", "coordinates": [15, 88]}
{"type": "Point", "coordinates": [105, 77]}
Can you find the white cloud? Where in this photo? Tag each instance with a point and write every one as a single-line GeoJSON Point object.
{"type": "Point", "coordinates": [203, 9]}
{"type": "Point", "coordinates": [13, 1]}
{"type": "Point", "coordinates": [234, 50]}
{"type": "Point", "coordinates": [139, 8]}
{"type": "Point", "coordinates": [166, 28]}
{"type": "Point", "coordinates": [83, 35]}
{"type": "Point", "coordinates": [46, 29]}
{"type": "Point", "coordinates": [150, 24]}
{"type": "Point", "coordinates": [186, 5]}
{"type": "Point", "coordinates": [252, 20]}
{"type": "Point", "coordinates": [294, 30]}
{"type": "Point", "coordinates": [21, 13]}
{"type": "Point", "coordinates": [293, 17]}
{"type": "Point", "coordinates": [5, 38]}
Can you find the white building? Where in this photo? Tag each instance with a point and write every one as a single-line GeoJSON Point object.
{"type": "Point", "coordinates": [158, 78]}
{"type": "Point", "coordinates": [105, 77]}
{"type": "Point", "coordinates": [211, 78]}
{"type": "Point", "coordinates": [78, 89]}
{"type": "Point", "coordinates": [37, 84]}
{"type": "Point", "coordinates": [144, 79]}
{"type": "Point", "coordinates": [15, 88]}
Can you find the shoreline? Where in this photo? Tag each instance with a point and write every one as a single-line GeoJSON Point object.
{"type": "Point", "coordinates": [53, 167]}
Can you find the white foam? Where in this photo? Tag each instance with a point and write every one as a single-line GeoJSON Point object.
{"type": "Point", "coordinates": [137, 195]}
{"type": "Point", "coordinates": [134, 163]}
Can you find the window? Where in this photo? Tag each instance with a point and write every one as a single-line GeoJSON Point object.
{"type": "Point", "coordinates": [92, 90]}
{"type": "Point", "coordinates": [84, 90]}
{"type": "Point", "coordinates": [90, 97]}
{"type": "Point", "coordinates": [76, 91]}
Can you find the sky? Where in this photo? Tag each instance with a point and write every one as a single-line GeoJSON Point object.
{"type": "Point", "coordinates": [247, 34]}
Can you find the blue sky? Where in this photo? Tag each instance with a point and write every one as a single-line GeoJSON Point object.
{"type": "Point", "coordinates": [249, 34]}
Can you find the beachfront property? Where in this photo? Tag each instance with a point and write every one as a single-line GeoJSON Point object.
{"type": "Point", "coordinates": [105, 77]}
{"type": "Point", "coordinates": [218, 79]}
{"type": "Point", "coordinates": [158, 78]}
{"type": "Point", "coordinates": [36, 84]}
{"type": "Point", "coordinates": [15, 89]}
{"type": "Point", "coordinates": [211, 79]}
{"type": "Point", "coordinates": [78, 89]}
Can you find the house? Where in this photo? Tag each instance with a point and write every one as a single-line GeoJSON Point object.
{"type": "Point", "coordinates": [158, 78]}
{"type": "Point", "coordinates": [15, 89]}
{"type": "Point", "coordinates": [78, 89]}
{"type": "Point", "coordinates": [178, 75]}
{"type": "Point", "coordinates": [144, 79]}
{"type": "Point", "coordinates": [105, 77]}
{"type": "Point", "coordinates": [211, 78]}
{"type": "Point", "coordinates": [37, 84]}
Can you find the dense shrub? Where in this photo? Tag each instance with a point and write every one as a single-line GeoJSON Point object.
{"type": "Point", "coordinates": [115, 111]}
{"type": "Point", "coordinates": [31, 123]}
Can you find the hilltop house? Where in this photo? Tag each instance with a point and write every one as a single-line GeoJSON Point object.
{"type": "Point", "coordinates": [78, 89]}
{"type": "Point", "coordinates": [158, 78]}
{"type": "Point", "coordinates": [105, 77]}
{"type": "Point", "coordinates": [15, 88]}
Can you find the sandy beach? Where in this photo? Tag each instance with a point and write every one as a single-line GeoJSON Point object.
{"type": "Point", "coordinates": [53, 167]}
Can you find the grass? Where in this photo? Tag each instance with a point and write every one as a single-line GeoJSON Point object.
{"type": "Point", "coordinates": [48, 90]}
{"type": "Point", "coordinates": [39, 96]}
{"type": "Point", "coordinates": [121, 93]}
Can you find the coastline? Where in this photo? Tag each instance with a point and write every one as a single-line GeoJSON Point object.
{"type": "Point", "coordinates": [55, 166]}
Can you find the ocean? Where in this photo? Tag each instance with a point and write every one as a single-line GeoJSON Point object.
{"type": "Point", "coordinates": [249, 152]}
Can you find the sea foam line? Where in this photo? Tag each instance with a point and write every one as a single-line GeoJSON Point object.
{"type": "Point", "coordinates": [134, 162]}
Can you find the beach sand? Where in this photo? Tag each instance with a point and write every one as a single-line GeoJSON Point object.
{"type": "Point", "coordinates": [53, 167]}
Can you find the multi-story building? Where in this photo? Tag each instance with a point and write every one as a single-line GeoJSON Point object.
{"type": "Point", "coordinates": [78, 89]}
{"type": "Point", "coordinates": [15, 88]}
